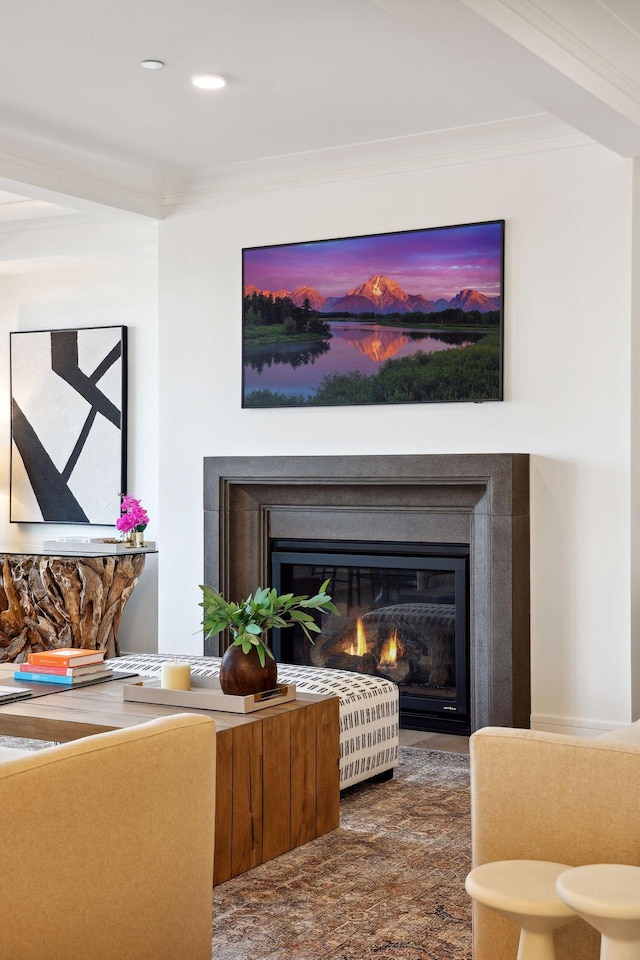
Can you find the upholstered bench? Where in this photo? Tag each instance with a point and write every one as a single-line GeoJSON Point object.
{"type": "Point", "coordinates": [368, 708]}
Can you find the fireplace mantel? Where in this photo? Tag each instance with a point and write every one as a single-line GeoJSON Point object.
{"type": "Point", "coordinates": [478, 499]}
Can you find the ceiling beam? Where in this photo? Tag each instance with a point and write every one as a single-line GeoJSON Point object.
{"type": "Point", "coordinates": [567, 63]}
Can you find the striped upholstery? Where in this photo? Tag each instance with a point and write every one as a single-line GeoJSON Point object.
{"type": "Point", "coordinates": [368, 708]}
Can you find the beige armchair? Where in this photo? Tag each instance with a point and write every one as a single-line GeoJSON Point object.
{"type": "Point", "coordinates": [106, 846]}
{"type": "Point", "coordinates": [541, 796]}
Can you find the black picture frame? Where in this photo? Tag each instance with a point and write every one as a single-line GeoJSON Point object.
{"type": "Point", "coordinates": [306, 346]}
{"type": "Point", "coordinates": [68, 425]}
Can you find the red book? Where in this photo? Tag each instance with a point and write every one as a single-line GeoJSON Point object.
{"type": "Point", "coordinates": [65, 657]}
{"type": "Point", "coordinates": [84, 671]}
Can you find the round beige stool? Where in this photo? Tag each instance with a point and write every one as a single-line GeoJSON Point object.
{"type": "Point", "coordinates": [607, 896]}
{"type": "Point", "coordinates": [524, 891]}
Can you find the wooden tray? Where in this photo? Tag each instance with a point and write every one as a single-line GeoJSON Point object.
{"type": "Point", "coordinates": [205, 694]}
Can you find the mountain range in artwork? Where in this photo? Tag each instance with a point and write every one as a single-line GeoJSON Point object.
{"type": "Point", "coordinates": [409, 317]}
{"type": "Point", "coordinates": [381, 295]}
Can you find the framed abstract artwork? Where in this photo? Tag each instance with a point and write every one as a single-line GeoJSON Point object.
{"type": "Point", "coordinates": [68, 425]}
{"type": "Point", "coordinates": [408, 317]}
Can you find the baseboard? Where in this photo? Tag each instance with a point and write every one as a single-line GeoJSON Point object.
{"type": "Point", "coordinates": [572, 726]}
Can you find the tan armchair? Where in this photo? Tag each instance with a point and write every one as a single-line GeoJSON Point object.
{"type": "Point", "coordinates": [106, 846]}
{"type": "Point", "coordinates": [542, 796]}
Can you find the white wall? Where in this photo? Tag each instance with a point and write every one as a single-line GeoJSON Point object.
{"type": "Point", "coordinates": [567, 388]}
{"type": "Point", "coordinates": [82, 271]}
{"type": "Point", "coordinates": [634, 524]}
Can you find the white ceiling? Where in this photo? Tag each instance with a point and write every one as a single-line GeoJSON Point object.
{"type": "Point", "coordinates": [303, 76]}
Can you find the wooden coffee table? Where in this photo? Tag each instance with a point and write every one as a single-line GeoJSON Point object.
{"type": "Point", "coordinates": [277, 776]}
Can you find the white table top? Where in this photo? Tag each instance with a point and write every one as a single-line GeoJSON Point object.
{"type": "Point", "coordinates": [75, 550]}
{"type": "Point", "coordinates": [522, 886]}
{"type": "Point", "coordinates": [606, 889]}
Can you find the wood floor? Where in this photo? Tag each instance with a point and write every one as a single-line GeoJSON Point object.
{"type": "Point", "coordinates": [434, 741]}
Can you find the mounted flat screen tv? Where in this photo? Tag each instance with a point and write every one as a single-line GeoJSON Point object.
{"type": "Point", "coordinates": [408, 317]}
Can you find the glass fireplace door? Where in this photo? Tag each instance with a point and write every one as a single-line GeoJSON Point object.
{"type": "Point", "coordinates": [403, 616]}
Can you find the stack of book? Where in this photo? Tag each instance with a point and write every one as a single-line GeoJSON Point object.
{"type": "Point", "coordinates": [68, 665]}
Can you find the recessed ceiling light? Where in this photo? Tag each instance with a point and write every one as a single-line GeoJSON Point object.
{"type": "Point", "coordinates": [209, 81]}
{"type": "Point", "coordinates": [152, 64]}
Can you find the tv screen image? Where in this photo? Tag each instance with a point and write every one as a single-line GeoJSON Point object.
{"type": "Point", "coordinates": [414, 316]}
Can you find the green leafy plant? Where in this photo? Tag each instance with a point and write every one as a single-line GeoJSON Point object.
{"type": "Point", "coordinates": [249, 619]}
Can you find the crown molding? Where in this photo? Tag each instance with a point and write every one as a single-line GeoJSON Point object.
{"type": "Point", "coordinates": [38, 223]}
{"type": "Point", "coordinates": [53, 243]}
{"type": "Point", "coordinates": [553, 36]}
{"type": "Point", "coordinates": [108, 184]}
{"type": "Point", "coordinates": [491, 141]}
{"type": "Point", "coordinates": [22, 211]}
{"type": "Point", "coordinates": [60, 220]}
{"type": "Point", "coordinates": [68, 176]}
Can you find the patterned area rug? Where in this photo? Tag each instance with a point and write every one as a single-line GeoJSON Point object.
{"type": "Point", "coordinates": [387, 885]}
{"type": "Point", "coordinates": [18, 743]}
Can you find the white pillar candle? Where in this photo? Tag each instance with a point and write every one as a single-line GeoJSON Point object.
{"type": "Point", "coordinates": [175, 676]}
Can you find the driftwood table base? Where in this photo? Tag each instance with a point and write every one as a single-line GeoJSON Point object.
{"type": "Point", "coordinates": [63, 602]}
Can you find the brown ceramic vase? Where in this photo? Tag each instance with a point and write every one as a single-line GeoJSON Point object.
{"type": "Point", "coordinates": [242, 674]}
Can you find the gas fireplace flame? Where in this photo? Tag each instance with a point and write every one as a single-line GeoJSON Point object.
{"type": "Point", "coordinates": [359, 648]}
{"type": "Point", "coordinates": [389, 653]}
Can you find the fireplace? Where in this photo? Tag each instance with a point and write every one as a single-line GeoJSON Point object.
{"type": "Point", "coordinates": [403, 616]}
{"type": "Point", "coordinates": [473, 504]}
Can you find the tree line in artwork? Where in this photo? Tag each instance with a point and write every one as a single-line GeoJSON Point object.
{"type": "Point", "coordinates": [453, 317]}
{"type": "Point", "coordinates": [262, 311]}
{"type": "Point", "coordinates": [287, 319]}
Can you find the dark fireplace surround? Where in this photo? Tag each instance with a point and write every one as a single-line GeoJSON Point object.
{"type": "Point", "coordinates": [477, 499]}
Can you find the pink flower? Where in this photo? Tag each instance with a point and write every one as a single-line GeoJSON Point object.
{"type": "Point", "coordinates": [134, 516]}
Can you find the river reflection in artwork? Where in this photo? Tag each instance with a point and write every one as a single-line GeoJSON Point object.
{"type": "Point", "coordinates": [298, 368]}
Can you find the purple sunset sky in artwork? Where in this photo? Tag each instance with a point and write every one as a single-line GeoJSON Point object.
{"type": "Point", "coordinates": [435, 263]}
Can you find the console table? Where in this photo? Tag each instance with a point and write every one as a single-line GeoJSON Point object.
{"type": "Point", "coordinates": [64, 599]}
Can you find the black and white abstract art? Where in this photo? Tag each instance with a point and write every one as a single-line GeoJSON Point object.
{"type": "Point", "coordinates": [68, 425]}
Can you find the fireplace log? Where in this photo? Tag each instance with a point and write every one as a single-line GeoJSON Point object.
{"type": "Point", "coordinates": [348, 661]}
{"type": "Point", "coordinates": [425, 639]}
{"type": "Point", "coordinates": [399, 672]}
